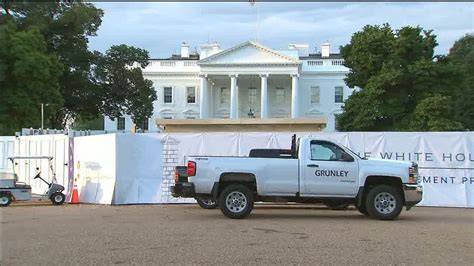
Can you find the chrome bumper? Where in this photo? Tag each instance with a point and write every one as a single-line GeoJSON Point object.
{"type": "Point", "coordinates": [413, 194]}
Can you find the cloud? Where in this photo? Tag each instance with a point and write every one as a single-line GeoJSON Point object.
{"type": "Point", "coordinates": [161, 27]}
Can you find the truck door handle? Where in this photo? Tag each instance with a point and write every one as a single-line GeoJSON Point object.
{"type": "Point", "coordinates": [313, 165]}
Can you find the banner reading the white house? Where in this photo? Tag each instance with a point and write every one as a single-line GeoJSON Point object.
{"type": "Point", "coordinates": [445, 160]}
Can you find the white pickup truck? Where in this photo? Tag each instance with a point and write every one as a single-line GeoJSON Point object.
{"type": "Point", "coordinates": [313, 171]}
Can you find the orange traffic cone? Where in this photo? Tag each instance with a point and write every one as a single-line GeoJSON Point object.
{"type": "Point", "coordinates": [75, 196]}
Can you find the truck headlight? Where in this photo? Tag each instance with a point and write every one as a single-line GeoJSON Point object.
{"type": "Point", "coordinates": [413, 174]}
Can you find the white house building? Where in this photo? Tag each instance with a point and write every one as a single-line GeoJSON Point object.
{"type": "Point", "coordinates": [245, 84]}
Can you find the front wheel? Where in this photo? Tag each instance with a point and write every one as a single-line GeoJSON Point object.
{"type": "Point", "coordinates": [236, 201]}
{"type": "Point", "coordinates": [207, 203]}
{"type": "Point", "coordinates": [384, 202]}
{"type": "Point", "coordinates": [5, 200]}
{"type": "Point", "coordinates": [58, 198]}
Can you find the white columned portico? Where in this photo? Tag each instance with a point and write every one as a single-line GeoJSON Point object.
{"type": "Point", "coordinates": [264, 96]}
{"type": "Point", "coordinates": [233, 97]}
{"type": "Point", "coordinates": [294, 96]}
{"type": "Point", "coordinates": [203, 98]}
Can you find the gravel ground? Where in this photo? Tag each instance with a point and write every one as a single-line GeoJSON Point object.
{"type": "Point", "coordinates": [187, 234]}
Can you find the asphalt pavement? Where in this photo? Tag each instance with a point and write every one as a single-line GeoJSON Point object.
{"type": "Point", "coordinates": [187, 234]}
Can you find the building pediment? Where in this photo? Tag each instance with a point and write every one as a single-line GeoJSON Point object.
{"type": "Point", "coordinates": [166, 111]}
{"type": "Point", "coordinates": [223, 111]}
{"type": "Point", "coordinates": [190, 112]}
{"type": "Point", "coordinates": [314, 112]}
{"type": "Point", "coordinates": [248, 53]}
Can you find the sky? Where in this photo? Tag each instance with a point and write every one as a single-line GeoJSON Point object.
{"type": "Point", "coordinates": [160, 28]}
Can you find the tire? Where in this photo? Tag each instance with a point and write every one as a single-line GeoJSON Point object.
{"type": "Point", "coordinates": [207, 203]}
{"type": "Point", "coordinates": [384, 202]}
{"type": "Point", "coordinates": [236, 201]}
{"type": "Point", "coordinates": [5, 200]}
{"type": "Point", "coordinates": [58, 198]}
{"type": "Point", "coordinates": [336, 205]}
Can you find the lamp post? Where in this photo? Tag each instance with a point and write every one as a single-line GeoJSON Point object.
{"type": "Point", "coordinates": [42, 115]}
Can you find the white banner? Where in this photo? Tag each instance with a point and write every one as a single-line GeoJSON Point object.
{"type": "Point", "coordinates": [445, 159]}
{"type": "Point", "coordinates": [135, 168]}
{"type": "Point", "coordinates": [95, 168]}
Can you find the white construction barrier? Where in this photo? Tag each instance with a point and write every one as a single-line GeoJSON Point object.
{"type": "Point", "coordinates": [7, 148]}
{"type": "Point", "coordinates": [95, 168]}
{"type": "Point", "coordinates": [139, 176]}
{"type": "Point", "coordinates": [138, 168]}
{"type": "Point", "coordinates": [125, 168]}
{"type": "Point", "coordinates": [42, 145]}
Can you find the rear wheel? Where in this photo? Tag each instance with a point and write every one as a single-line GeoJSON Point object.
{"type": "Point", "coordinates": [236, 201]}
{"type": "Point", "coordinates": [384, 202]}
{"type": "Point", "coordinates": [58, 198]}
{"type": "Point", "coordinates": [5, 200]}
{"type": "Point", "coordinates": [207, 203]}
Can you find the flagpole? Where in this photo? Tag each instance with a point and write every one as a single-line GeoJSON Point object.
{"type": "Point", "coordinates": [257, 24]}
{"type": "Point", "coordinates": [258, 21]}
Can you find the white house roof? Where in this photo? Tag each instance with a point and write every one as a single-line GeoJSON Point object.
{"type": "Point", "coordinates": [249, 53]}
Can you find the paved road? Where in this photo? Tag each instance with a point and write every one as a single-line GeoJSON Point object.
{"type": "Point", "coordinates": [184, 234]}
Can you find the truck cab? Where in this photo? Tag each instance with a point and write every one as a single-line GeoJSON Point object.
{"type": "Point", "coordinates": [312, 171]}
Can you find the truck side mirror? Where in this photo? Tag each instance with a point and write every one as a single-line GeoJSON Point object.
{"type": "Point", "coordinates": [346, 157]}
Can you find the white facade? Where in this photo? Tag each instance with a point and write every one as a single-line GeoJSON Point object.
{"type": "Point", "coordinates": [248, 80]}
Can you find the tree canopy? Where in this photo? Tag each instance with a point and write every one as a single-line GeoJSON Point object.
{"type": "Point", "coordinates": [81, 80]}
{"type": "Point", "coordinates": [398, 77]}
{"type": "Point", "coordinates": [461, 57]}
{"type": "Point", "coordinates": [122, 87]}
{"type": "Point", "coordinates": [29, 76]}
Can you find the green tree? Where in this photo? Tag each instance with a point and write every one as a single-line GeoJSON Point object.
{"type": "Point", "coordinates": [88, 124]}
{"type": "Point", "coordinates": [123, 90]}
{"type": "Point", "coordinates": [461, 56]}
{"type": "Point", "coordinates": [66, 27]}
{"type": "Point", "coordinates": [29, 76]}
{"type": "Point", "coordinates": [394, 70]}
{"type": "Point", "coordinates": [434, 113]}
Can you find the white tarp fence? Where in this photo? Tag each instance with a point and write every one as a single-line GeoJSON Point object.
{"type": "Point", "coordinates": [124, 169]}
{"type": "Point", "coordinates": [138, 167]}
{"type": "Point", "coordinates": [95, 168]}
{"type": "Point", "coordinates": [41, 145]}
{"type": "Point", "coordinates": [7, 147]}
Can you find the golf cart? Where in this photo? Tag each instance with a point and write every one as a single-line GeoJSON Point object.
{"type": "Point", "coordinates": [11, 189]}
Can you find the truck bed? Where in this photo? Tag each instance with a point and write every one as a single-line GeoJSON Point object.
{"type": "Point", "coordinates": [275, 176]}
